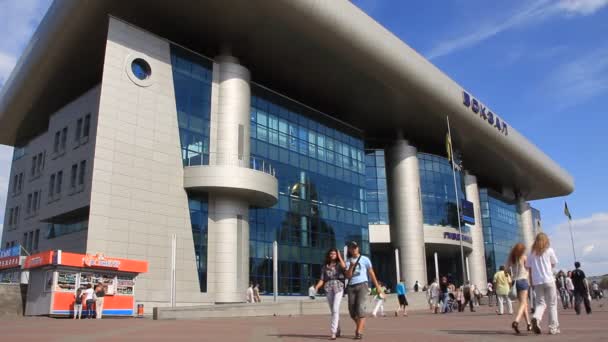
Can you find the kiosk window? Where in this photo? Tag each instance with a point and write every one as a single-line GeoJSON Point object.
{"type": "Point", "coordinates": [125, 285]}
{"type": "Point", "coordinates": [66, 281]}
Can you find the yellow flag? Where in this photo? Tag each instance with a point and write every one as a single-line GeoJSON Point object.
{"type": "Point", "coordinates": [448, 145]}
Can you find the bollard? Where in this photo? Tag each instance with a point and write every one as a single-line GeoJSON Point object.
{"type": "Point", "coordinates": [140, 310]}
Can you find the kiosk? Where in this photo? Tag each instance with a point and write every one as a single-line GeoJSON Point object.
{"type": "Point", "coordinates": [55, 276]}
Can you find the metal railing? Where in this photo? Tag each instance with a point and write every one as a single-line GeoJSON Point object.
{"type": "Point", "coordinates": [224, 159]}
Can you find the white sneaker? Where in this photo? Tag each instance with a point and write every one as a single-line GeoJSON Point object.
{"type": "Point", "coordinates": [554, 331]}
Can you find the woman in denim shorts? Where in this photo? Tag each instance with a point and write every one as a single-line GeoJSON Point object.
{"type": "Point", "coordinates": [517, 265]}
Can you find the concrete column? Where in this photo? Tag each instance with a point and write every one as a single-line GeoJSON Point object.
{"type": "Point", "coordinates": [228, 239]}
{"type": "Point", "coordinates": [526, 222]}
{"type": "Point", "coordinates": [477, 258]}
{"type": "Point", "coordinates": [407, 230]}
{"type": "Point", "coordinates": [230, 115]}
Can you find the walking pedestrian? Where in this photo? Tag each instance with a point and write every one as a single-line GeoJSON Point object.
{"type": "Point", "coordinates": [416, 286]}
{"type": "Point", "coordinates": [359, 270]}
{"type": "Point", "coordinates": [490, 293]}
{"type": "Point", "coordinates": [570, 288]}
{"type": "Point", "coordinates": [249, 294]}
{"type": "Point", "coordinates": [378, 301]}
{"type": "Point", "coordinates": [401, 297]}
{"type": "Point", "coordinates": [460, 299]}
{"type": "Point", "coordinates": [541, 261]}
{"type": "Point", "coordinates": [434, 293]}
{"type": "Point", "coordinates": [467, 294]}
{"type": "Point", "coordinates": [90, 301]}
{"type": "Point", "coordinates": [581, 289]}
{"type": "Point", "coordinates": [502, 282]}
{"type": "Point", "coordinates": [78, 304]}
{"type": "Point", "coordinates": [517, 263]}
{"type": "Point", "coordinates": [256, 293]}
{"type": "Point", "coordinates": [561, 287]}
{"type": "Point", "coordinates": [445, 294]}
{"type": "Point", "coordinates": [595, 287]}
{"type": "Point", "coordinates": [100, 293]}
{"type": "Point", "coordinates": [332, 281]}
{"type": "Point", "coordinates": [477, 294]}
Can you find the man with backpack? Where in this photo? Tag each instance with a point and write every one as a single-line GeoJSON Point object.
{"type": "Point", "coordinates": [581, 289]}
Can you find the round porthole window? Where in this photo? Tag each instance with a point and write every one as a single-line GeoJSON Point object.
{"type": "Point", "coordinates": [141, 69]}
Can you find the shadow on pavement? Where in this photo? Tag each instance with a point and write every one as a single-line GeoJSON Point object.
{"type": "Point", "coordinates": [480, 332]}
{"type": "Point", "coordinates": [312, 337]}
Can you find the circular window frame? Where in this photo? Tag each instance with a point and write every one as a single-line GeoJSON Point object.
{"type": "Point", "coordinates": [128, 69]}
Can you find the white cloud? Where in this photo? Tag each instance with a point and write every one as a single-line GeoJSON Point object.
{"type": "Point", "coordinates": [584, 7]}
{"type": "Point", "coordinates": [6, 156]}
{"type": "Point", "coordinates": [533, 13]}
{"type": "Point", "coordinates": [18, 20]}
{"type": "Point", "coordinates": [7, 62]}
{"type": "Point", "coordinates": [590, 243]}
{"type": "Point", "coordinates": [581, 78]}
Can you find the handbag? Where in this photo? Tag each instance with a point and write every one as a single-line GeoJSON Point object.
{"type": "Point", "coordinates": [513, 292]}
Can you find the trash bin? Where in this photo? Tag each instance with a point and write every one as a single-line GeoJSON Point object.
{"type": "Point", "coordinates": [140, 310]}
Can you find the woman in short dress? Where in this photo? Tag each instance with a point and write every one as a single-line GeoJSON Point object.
{"type": "Point", "coordinates": [332, 281]}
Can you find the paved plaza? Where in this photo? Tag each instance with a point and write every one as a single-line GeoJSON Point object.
{"type": "Point", "coordinates": [483, 325]}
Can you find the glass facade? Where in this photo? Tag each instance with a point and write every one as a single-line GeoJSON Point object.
{"type": "Point", "coordinates": [437, 190]}
{"type": "Point", "coordinates": [536, 219]}
{"type": "Point", "coordinates": [375, 185]}
{"type": "Point", "coordinates": [192, 75]}
{"type": "Point", "coordinates": [500, 228]}
{"type": "Point", "coordinates": [199, 215]}
{"type": "Point", "coordinates": [321, 174]}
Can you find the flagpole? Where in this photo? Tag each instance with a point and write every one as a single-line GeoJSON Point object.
{"type": "Point", "coordinates": [572, 239]}
{"type": "Point", "coordinates": [464, 276]}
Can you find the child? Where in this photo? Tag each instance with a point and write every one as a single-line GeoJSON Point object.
{"type": "Point", "coordinates": [401, 292]}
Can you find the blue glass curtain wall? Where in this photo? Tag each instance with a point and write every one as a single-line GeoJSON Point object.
{"type": "Point", "coordinates": [500, 229]}
{"type": "Point", "coordinates": [321, 173]}
{"type": "Point", "coordinates": [437, 189]}
{"type": "Point", "coordinates": [375, 184]}
{"type": "Point", "coordinates": [192, 75]}
{"type": "Point", "coordinates": [199, 215]}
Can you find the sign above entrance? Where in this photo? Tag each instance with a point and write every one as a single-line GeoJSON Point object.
{"type": "Point", "coordinates": [484, 113]}
{"type": "Point", "coordinates": [456, 236]}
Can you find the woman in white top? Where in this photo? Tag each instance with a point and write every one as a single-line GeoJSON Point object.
{"type": "Point", "coordinates": [517, 264]}
{"type": "Point", "coordinates": [541, 261]}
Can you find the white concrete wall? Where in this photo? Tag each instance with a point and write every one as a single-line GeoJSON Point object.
{"type": "Point", "coordinates": [138, 200]}
{"type": "Point", "coordinates": [69, 199]}
{"type": "Point", "coordinates": [477, 258]}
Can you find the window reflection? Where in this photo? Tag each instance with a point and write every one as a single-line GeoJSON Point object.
{"type": "Point", "coordinates": [500, 228]}
{"type": "Point", "coordinates": [321, 174]}
{"type": "Point", "coordinates": [437, 190]}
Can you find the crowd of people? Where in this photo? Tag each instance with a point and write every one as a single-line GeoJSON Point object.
{"type": "Point", "coordinates": [527, 277]}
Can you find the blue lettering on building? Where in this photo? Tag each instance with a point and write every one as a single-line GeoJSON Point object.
{"type": "Point", "coordinates": [456, 236]}
{"type": "Point", "coordinates": [484, 113]}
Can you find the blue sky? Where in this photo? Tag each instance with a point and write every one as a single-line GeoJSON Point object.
{"type": "Point", "coordinates": [541, 64]}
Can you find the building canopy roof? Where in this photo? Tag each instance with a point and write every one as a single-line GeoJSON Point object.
{"type": "Point", "coordinates": [328, 54]}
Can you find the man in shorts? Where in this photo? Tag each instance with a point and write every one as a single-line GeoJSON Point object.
{"type": "Point", "coordinates": [359, 270]}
